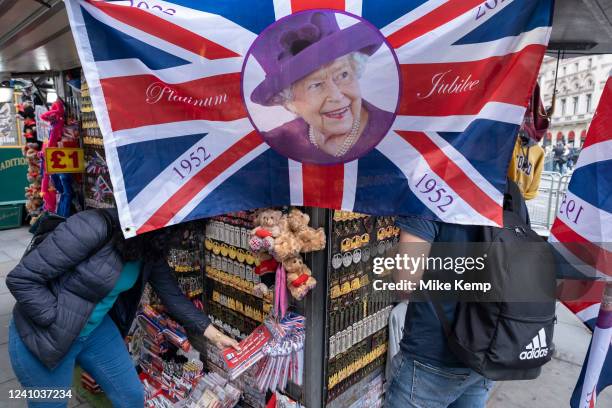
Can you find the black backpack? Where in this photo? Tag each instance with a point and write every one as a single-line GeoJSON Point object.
{"type": "Point", "coordinates": [508, 337]}
{"type": "Point", "coordinates": [48, 222]}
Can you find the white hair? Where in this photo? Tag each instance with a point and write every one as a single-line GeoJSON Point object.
{"type": "Point", "coordinates": [358, 61]}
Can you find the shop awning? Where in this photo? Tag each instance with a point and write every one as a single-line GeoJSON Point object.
{"type": "Point", "coordinates": [559, 136]}
{"type": "Point", "coordinates": [571, 136]}
{"type": "Point", "coordinates": [34, 37]}
{"type": "Point", "coordinates": [582, 27]}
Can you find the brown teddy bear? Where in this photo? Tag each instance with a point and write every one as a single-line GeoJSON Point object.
{"type": "Point", "coordinates": [299, 277]}
{"type": "Point", "coordinates": [310, 239]}
{"type": "Point", "coordinates": [286, 245]}
{"type": "Point", "coordinates": [266, 229]}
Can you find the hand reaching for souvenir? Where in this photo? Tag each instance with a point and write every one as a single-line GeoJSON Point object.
{"type": "Point", "coordinates": [220, 340]}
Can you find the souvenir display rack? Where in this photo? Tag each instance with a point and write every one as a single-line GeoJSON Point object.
{"type": "Point", "coordinates": [230, 303]}
{"type": "Point", "coordinates": [168, 361]}
{"type": "Point", "coordinates": [346, 320]}
{"type": "Point", "coordinates": [97, 188]}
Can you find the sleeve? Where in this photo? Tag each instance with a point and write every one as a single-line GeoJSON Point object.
{"type": "Point", "coordinates": [59, 253]}
{"type": "Point", "coordinates": [532, 191]}
{"type": "Point", "coordinates": [425, 229]}
{"type": "Point", "coordinates": [175, 301]}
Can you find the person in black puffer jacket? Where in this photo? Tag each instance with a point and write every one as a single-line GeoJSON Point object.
{"type": "Point", "coordinates": [77, 293]}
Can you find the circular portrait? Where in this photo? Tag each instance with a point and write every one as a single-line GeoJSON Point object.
{"type": "Point", "coordinates": [321, 86]}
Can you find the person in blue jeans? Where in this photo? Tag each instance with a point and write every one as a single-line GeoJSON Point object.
{"type": "Point", "coordinates": [77, 294]}
{"type": "Point", "coordinates": [425, 373]}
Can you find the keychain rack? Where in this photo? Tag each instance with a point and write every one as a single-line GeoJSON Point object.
{"type": "Point", "coordinates": [346, 321]}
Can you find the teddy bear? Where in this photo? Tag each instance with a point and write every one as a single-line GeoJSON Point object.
{"type": "Point", "coordinates": [299, 277]}
{"type": "Point", "coordinates": [310, 239]}
{"type": "Point", "coordinates": [286, 245]}
{"type": "Point", "coordinates": [266, 229]}
{"type": "Point", "coordinates": [265, 263]}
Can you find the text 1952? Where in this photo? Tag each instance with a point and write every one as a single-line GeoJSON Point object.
{"type": "Point", "coordinates": [196, 159]}
{"type": "Point", "coordinates": [435, 194]}
{"type": "Point", "coordinates": [568, 208]}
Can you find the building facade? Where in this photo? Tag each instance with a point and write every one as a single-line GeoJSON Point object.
{"type": "Point", "coordinates": [580, 83]}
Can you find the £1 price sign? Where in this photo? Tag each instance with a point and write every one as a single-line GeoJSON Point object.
{"type": "Point", "coordinates": [64, 160]}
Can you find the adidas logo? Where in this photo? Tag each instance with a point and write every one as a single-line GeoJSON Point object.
{"type": "Point", "coordinates": [537, 348]}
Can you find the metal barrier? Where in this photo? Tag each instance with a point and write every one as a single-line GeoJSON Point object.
{"type": "Point", "coordinates": [543, 208]}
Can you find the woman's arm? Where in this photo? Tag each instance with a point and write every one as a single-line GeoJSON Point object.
{"type": "Point", "coordinates": [182, 309]}
{"type": "Point", "coordinates": [59, 253]}
{"type": "Point", "coordinates": [174, 300]}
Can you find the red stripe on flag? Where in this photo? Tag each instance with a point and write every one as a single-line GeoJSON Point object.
{"type": "Point", "coordinates": [601, 126]}
{"type": "Point", "coordinates": [192, 187]}
{"type": "Point", "coordinates": [580, 294]}
{"type": "Point", "coordinates": [142, 100]}
{"type": "Point", "coordinates": [585, 250]}
{"type": "Point", "coordinates": [301, 5]}
{"type": "Point", "coordinates": [164, 29]}
{"type": "Point", "coordinates": [454, 176]}
{"type": "Point", "coordinates": [463, 88]}
{"type": "Point", "coordinates": [432, 20]}
{"type": "Point", "coordinates": [323, 185]}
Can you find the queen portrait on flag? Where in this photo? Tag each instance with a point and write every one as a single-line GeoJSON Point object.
{"type": "Point", "coordinates": [313, 70]}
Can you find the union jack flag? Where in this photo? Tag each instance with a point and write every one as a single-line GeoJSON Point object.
{"type": "Point", "coordinates": [596, 373]}
{"type": "Point", "coordinates": [446, 154]}
{"type": "Point", "coordinates": [582, 237]}
{"type": "Point", "coordinates": [582, 231]}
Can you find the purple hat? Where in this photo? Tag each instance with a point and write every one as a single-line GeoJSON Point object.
{"type": "Point", "coordinates": [301, 43]}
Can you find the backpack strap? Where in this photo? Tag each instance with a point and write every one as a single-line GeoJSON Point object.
{"type": "Point", "coordinates": [512, 198]}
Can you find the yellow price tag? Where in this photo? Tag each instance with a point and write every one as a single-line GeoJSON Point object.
{"type": "Point", "coordinates": [64, 160]}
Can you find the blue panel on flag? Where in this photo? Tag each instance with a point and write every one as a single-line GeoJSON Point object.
{"type": "Point", "coordinates": [598, 191]}
{"type": "Point", "coordinates": [254, 15]}
{"type": "Point", "coordinates": [109, 44]}
{"type": "Point", "coordinates": [375, 193]}
{"type": "Point", "coordinates": [381, 13]}
{"type": "Point", "coordinates": [487, 145]}
{"type": "Point", "coordinates": [132, 156]}
{"type": "Point", "coordinates": [250, 187]}
{"type": "Point", "coordinates": [517, 17]}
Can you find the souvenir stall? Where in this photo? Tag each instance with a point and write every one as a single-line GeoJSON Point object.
{"type": "Point", "coordinates": [336, 319]}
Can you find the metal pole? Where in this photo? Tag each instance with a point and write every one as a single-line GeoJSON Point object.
{"type": "Point", "coordinates": [316, 313]}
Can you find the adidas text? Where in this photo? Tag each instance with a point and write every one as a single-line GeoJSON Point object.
{"type": "Point", "coordinates": [530, 355]}
{"type": "Point", "coordinates": [537, 348]}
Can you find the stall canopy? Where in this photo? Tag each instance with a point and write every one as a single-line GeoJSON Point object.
{"type": "Point", "coordinates": [35, 36]}
{"type": "Point", "coordinates": [582, 27]}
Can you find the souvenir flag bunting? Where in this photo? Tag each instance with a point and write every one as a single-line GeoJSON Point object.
{"type": "Point", "coordinates": [376, 106]}
{"type": "Point", "coordinates": [582, 231]}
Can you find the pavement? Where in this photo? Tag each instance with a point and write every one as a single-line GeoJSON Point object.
{"type": "Point", "coordinates": [552, 389]}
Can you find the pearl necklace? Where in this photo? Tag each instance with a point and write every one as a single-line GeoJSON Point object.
{"type": "Point", "coordinates": [346, 144]}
